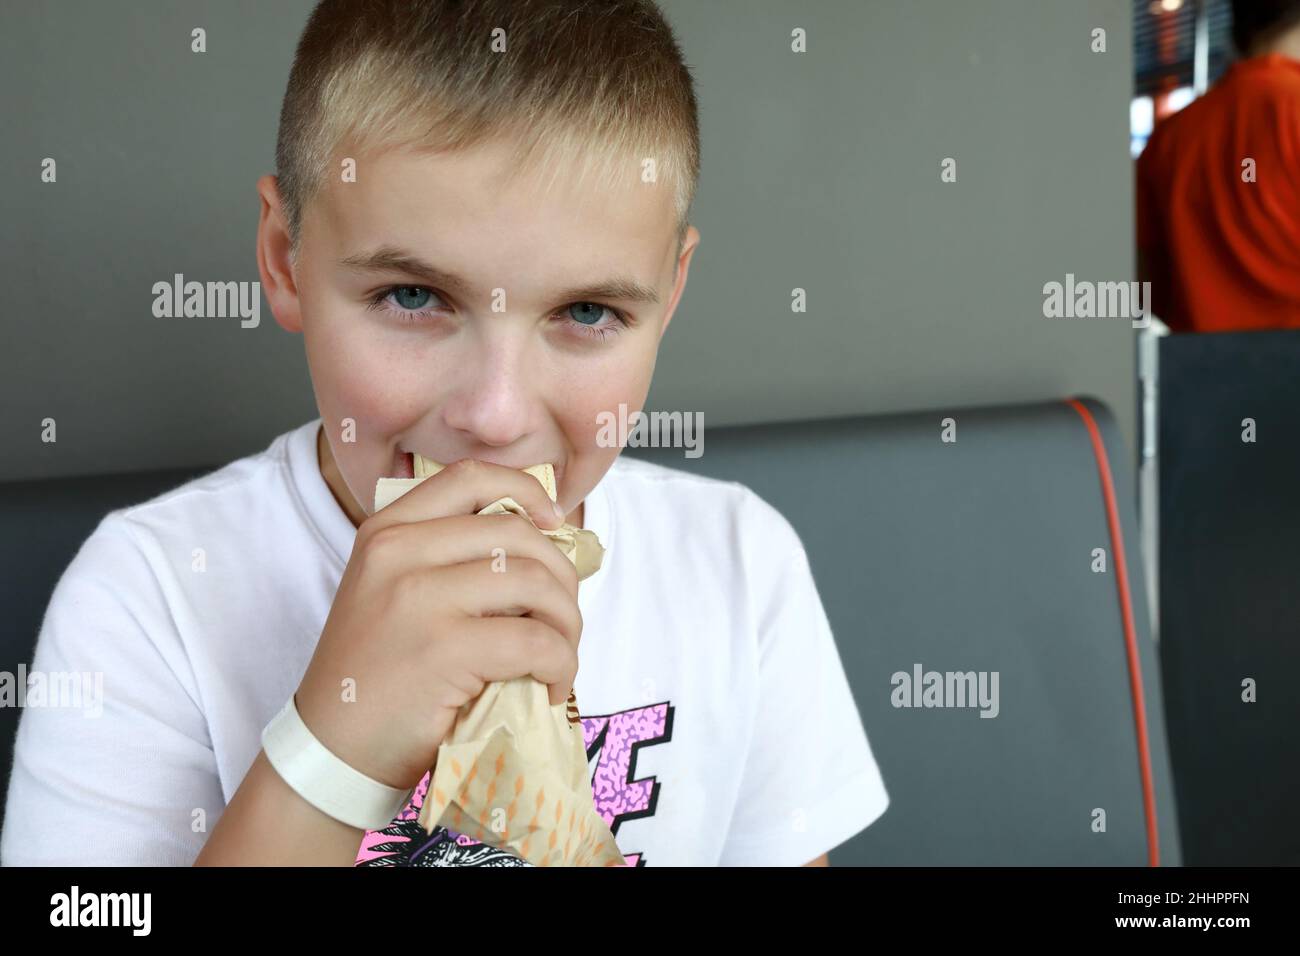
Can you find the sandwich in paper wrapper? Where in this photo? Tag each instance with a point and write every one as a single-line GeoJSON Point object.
{"type": "Point", "coordinates": [512, 772]}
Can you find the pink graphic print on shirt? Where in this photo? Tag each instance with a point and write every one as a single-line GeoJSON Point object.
{"type": "Point", "coordinates": [616, 738]}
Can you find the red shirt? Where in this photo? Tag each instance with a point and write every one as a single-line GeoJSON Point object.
{"type": "Point", "coordinates": [1224, 254]}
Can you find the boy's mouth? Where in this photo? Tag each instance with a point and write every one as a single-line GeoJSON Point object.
{"type": "Point", "coordinates": [403, 465]}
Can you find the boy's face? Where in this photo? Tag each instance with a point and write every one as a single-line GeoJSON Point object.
{"type": "Point", "coordinates": [509, 353]}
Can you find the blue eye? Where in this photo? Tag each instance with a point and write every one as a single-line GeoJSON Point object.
{"type": "Point", "coordinates": [405, 302]}
{"type": "Point", "coordinates": [411, 296]}
{"type": "Point", "coordinates": [585, 315]}
{"type": "Point", "coordinates": [590, 312]}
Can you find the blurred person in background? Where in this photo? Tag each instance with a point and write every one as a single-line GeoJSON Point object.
{"type": "Point", "coordinates": [1218, 188]}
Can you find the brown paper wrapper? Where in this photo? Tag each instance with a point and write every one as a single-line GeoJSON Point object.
{"type": "Point", "coordinates": [512, 772]}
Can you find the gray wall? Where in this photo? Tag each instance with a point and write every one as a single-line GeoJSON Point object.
{"type": "Point", "coordinates": [821, 171]}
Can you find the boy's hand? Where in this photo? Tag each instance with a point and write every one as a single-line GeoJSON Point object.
{"type": "Point", "coordinates": [421, 621]}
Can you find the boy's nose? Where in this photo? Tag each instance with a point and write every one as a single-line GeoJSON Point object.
{"type": "Point", "coordinates": [493, 402]}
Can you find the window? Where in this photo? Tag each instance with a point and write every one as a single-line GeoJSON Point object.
{"type": "Point", "coordinates": [1165, 62]}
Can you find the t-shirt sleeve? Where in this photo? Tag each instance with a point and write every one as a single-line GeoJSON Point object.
{"type": "Point", "coordinates": [810, 780]}
{"type": "Point", "coordinates": [113, 765]}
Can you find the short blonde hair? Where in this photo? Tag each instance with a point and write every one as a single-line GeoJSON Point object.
{"type": "Point", "coordinates": [583, 86]}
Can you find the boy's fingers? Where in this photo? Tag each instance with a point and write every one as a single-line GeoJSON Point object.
{"type": "Point", "coordinates": [503, 539]}
{"type": "Point", "coordinates": [510, 647]}
{"type": "Point", "coordinates": [527, 589]}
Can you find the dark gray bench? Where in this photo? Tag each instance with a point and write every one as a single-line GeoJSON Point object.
{"type": "Point", "coordinates": [964, 557]}
{"type": "Point", "coordinates": [977, 556]}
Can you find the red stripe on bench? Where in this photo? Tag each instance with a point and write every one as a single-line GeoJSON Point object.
{"type": "Point", "coordinates": [1130, 631]}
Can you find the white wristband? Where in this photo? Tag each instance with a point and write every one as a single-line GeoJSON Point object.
{"type": "Point", "coordinates": [325, 781]}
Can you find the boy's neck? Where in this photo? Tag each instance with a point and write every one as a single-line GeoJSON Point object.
{"type": "Point", "coordinates": [1286, 43]}
{"type": "Point", "coordinates": [339, 489]}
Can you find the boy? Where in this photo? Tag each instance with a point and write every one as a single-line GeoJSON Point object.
{"type": "Point", "coordinates": [479, 226]}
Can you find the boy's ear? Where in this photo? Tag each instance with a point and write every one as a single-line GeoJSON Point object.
{"type": "Point", "coordinates": [273, 261]}
{"type": "Point", "coordinates": [683, 267]}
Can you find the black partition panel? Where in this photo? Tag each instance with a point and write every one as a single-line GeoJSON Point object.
{"type": "Point", "coordinates": [1230, 591]}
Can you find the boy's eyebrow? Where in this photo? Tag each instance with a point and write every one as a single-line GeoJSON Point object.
{"type": "Point", "coordinates": [390, 259]}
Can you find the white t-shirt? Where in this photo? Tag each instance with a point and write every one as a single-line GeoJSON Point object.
{"type": "Point", "coordinates": [719, 724]}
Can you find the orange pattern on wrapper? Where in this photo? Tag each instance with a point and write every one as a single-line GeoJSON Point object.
{"type": "Point", "coordinates": [563, 828]}
{"type": "Point", "coordinates": [619, 792]}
